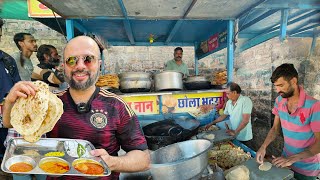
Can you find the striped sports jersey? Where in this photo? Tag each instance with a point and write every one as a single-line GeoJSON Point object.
{"type": "Point", "coordinates": [298, 130]}
{"type": "Point", "coordinates": [109, 124]}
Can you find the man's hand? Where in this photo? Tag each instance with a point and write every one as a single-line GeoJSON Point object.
{"type": "Point", "coordinates": [132, 161]}
{"type": "Point", "coordinates": [208, 126]}
{"type": "Point", "coordinates": [282, 161]}
{"type": "Point", "coordinates": [260, 155]}
{"type": "Point", "coordinates": [231, 132]}
{"type": "Point", "coordinates": [21, 89]}
{"type": "Point", "coordinates": [105, 157]}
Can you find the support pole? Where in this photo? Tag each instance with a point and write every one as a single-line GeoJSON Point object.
{"type": "Point", "coordinates": [284, 23]}
{"type": "Point", "coordinates": [230, 49]}
{"type": "Point", "coordinates": [69, 29]}
{"type": "Point", "coordinates": [196, 68]}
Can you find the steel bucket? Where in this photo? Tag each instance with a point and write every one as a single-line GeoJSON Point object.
{"type": "Point", "coordinates": [179, 161]}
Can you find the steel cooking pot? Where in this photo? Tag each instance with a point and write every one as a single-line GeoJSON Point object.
{"type": "Point", "coordinates": [197, 83]}
{"type": "Point", "coordinates": [183, 160]}
{"type": "Point", "coordinates": [168, 80]}
{"type": "Point", "coordinates": [135, 82]}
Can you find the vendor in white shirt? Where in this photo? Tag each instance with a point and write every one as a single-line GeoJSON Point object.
{"type": "Point", "coordinates": [239, 108]}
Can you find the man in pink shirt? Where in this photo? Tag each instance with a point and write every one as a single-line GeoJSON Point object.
{"type": "Point", "coordinates": [298, 115]}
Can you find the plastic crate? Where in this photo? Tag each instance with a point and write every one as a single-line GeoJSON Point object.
{"type": "Point", "coordinates": [206, 118]}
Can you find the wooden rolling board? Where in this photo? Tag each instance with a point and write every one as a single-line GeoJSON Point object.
{"type": "Point", "coordinates": [274, 173]}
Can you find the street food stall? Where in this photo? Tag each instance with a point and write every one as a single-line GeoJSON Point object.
{"type": "Point", "coordinates": [208, 26]}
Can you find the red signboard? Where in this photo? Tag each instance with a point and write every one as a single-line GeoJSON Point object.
{"type": "Point", "coordinates": [213, 42]}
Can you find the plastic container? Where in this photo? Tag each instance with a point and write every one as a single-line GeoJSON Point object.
{"type": "Point", "coordinates": [206, 118]}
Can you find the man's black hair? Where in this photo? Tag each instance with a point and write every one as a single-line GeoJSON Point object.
{"type": "Point", "coordinates": [178, 49]}
{"type": "Point", "coordinates": [17, 38]}
{"type": "Point", "coordinates": [287, 71]}
{"type": "Point", "coordinates": [234, 87]}
{"type": "Point", "coordinates": [20, 37]}
{"type": "Point", "coordinates": [44, 49]}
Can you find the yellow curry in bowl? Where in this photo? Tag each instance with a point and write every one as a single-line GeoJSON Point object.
{"type": "Point", "coordinates": [21, 167]}
{"type": "Point", "coordinates": [54, 165]}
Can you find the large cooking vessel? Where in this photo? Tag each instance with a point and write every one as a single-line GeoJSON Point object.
{"type": "Point", "coordinates": [169, 131]}
{"type": "Point", "coordinates": [135, 82]}
{"type": "Point", "coordinates": [168, 80]}
{"type": "Point", "coordinates": [179, 161]}
{"type": "Point", "coordinates": [197, 83]}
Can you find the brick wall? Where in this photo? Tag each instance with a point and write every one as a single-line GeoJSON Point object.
{"type": "Point", "coordinates": [43, 34]}
{"type": "Point", "coordinates": [128, 58]}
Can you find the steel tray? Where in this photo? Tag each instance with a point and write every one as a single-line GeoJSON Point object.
{"type": "Point", "coordinates": [34, 152]}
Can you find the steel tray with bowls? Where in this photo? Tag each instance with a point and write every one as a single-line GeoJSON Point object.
{"type": "Point", "coordinates": [61, 153]}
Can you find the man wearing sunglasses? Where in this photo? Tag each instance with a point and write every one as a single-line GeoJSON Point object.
{"type": "Point", "coordinates": [239, 109]}
{"type": "Point", "coordinates": [91, 113]}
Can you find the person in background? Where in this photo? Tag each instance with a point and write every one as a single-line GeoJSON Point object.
{"type": "Point", "coordinates": [298, 115]}
{"type": "Point", "coordinates": [177, 64]}
{"type": "Point", "coordinates": [26, 44]}
{"type": "Point", "coordinates": [91, 113]}
{"type": "Point", "coordinates": [47, 71]}
{"type": "Point", "coordinates": [9, 75]}
{"type": "Point", "coordinates": [239, 108]}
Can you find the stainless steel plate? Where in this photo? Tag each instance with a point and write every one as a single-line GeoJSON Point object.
{"type": "Point", "coordinates": [19, 150]}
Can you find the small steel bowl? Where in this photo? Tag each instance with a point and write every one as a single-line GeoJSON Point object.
{"type": "Point", "coordinates": [55, 159]}
{"type": "Point", "coordinates": [19, 159]}
{"type": "Point", "coordinates": [85, 160]}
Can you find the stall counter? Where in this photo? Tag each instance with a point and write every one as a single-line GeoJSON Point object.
{"type": "Point", "coordinates": [170, 102]}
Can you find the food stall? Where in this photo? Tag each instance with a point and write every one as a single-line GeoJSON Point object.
{"type": "Point", "coordinates": [189, 24]}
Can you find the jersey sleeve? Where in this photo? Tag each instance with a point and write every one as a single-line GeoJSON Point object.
{"type": "Point", "coordinates": [129, 132]}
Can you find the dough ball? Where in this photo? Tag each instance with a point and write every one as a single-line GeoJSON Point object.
{"type": "Point", "coordinates": [266, 166]}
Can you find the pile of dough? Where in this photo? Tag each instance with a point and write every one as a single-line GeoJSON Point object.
{"type": "Point", "coordinates": [238, 173]}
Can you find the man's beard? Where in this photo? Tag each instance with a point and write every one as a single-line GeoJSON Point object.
{"type": "Point", "coordinates": [289, 93]}
{"type": "Point", "coordinates": [178, 59]}
{"type": "Point", "coordinates": [54, 62]}
{"type": "Point", "coordinates": [81, 86]}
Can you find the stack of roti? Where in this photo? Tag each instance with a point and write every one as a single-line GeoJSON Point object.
{"type": "Point", "coordinates": [36, 115]}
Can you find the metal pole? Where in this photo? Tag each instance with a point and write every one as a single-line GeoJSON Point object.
{"type": "Point", "coordinates": [69, 29]}
{"type": "Point", "coordinates": [196, 68]}
{"type": "Point", "coordinates": [230, 49]}
{"type": "Point", "coordinates": [284, 23]}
